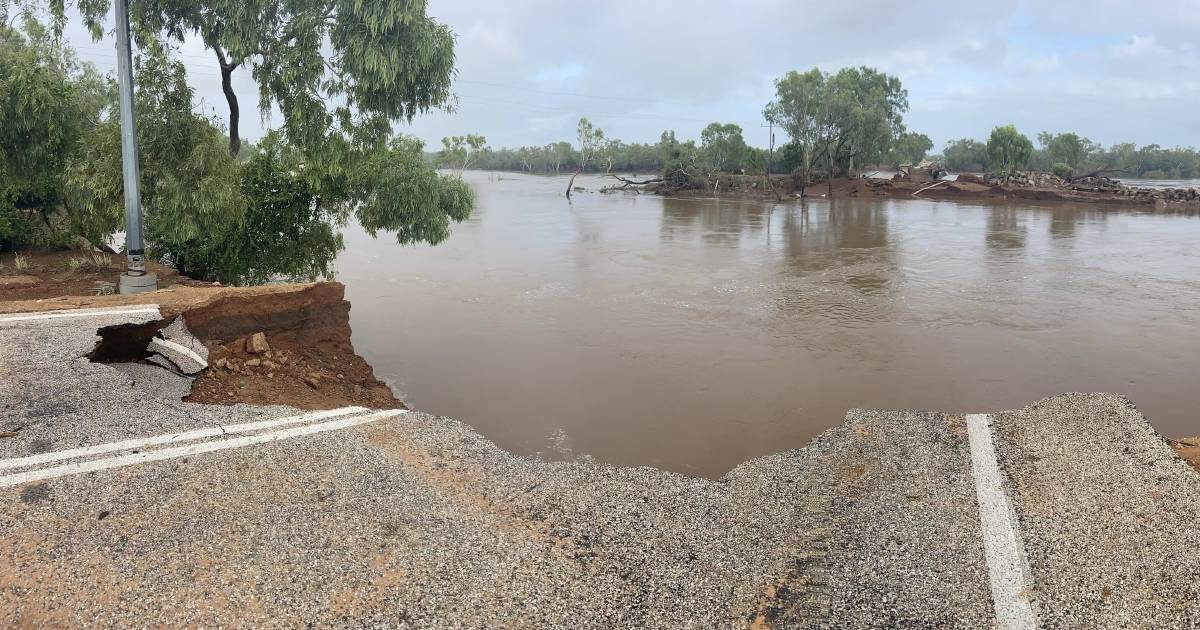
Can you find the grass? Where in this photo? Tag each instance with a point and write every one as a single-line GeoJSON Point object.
{"type": "Point", "coordinates": [20, 262]}
{"type": "Point", "coordinates": [98, 261]}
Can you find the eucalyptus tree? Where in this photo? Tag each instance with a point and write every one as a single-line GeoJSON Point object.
{"type": "Point", "coordinates": [48, 103]}
{"type": "Point", "coordinates": [1008, 150]}
{"type": "Point", "coordinates": [591, 139]}
{"type": "Point", "coordinates": [461, 152]}
{"type": "Point", "coordinates": [723, 146]}
{"type": "Point", "coordinates": [329, 66]}
{"type": "Point", "coordinates": [801, 108]}
{"type": "Point", "coordinates": [855, 114]}
{"type": "Point", "coordinates": [910, 148]}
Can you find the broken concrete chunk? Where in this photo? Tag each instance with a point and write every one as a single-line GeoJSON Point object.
{"type": "Point", "coordinates": [180, 348]}
{"type": "Point", "coordinates": [257, 343]}
{"type": "Point", "coordinates": [253, 362]}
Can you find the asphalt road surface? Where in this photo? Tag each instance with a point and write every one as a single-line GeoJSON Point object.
{"type": "Point", "coordinates": [123, 506]}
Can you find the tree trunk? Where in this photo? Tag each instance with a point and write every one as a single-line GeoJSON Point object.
{"type": "Point", "coordinates": [235, 140]}
{"type": "Point", "coordinates": [572, 182]}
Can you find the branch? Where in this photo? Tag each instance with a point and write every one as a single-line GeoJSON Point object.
{"type": "Point", "coordinates": [630, 182]}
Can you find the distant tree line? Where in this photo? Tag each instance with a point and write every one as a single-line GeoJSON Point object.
{"type": "Point", "coordinates": [838, 124]}
{"type": "Point", "coordinates": [1068, 154]}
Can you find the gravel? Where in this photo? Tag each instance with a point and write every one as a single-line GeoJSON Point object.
{"type": "Point", "coordinates": [1110, 515]}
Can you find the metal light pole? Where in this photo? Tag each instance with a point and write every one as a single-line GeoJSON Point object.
{"type": "Point", "coordinates": [135, 279]}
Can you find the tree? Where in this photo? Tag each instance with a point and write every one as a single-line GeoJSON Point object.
{"type": "Point", "coordinates": [910, 148]}
{"type": "Point", "coordinates": [965, 155]}
{"type": "Point", "coordinates": [1008, 150]}
{"type": "Point", "coordinates": [328, 66]}
{"type": "Point", "coordinates": [865, 108]}
{"type": "Point", "coordinates": [800, 107]}
{"type": "Point", "coordinates": [590, 140]}
{"type": "Point", "coordinates": [855, 114]}
{"type": "Point", "coordinates": [460, 152]}
{"type": "Point", "coordinates": [723, 146]}
{"type": "Point", "coordinates": [48, 103]}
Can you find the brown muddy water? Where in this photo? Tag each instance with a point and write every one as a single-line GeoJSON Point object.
{"type": "Point", "coordinates": [694, 334]}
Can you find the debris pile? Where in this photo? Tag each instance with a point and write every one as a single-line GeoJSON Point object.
{"type": "Point", "coordinates": [926, 171]}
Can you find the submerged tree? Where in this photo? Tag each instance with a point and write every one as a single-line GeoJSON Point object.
{"type": "Point", "coordinates": [590, 140]}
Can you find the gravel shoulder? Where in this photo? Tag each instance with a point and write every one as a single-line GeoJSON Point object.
{"type": "Point", "coordinates": [1109, 513]}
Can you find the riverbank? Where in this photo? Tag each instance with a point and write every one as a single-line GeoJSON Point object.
{"type": "Point", "coordinates": [1037, 187]}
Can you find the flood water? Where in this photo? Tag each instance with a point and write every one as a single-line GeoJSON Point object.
{"type": "Point", "coordinates": [693, 334]}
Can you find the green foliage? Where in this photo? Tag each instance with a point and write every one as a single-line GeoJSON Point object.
{"type": "Point", "coordinates": [397, 191]}
{"type": "Point", "coordinates": [910, 148]}
{"type": "Point", "coordinates": [332, 68]}
{"type": "Point", "coordinates": [1062, 170]}
{"type": "Point", "coordinates": [189, 180]}
{"type": "Point", "coordinates": [48, 101]}
{"type": "Point", "coordinates": [853, 116]}
{"type": "Point", "coordinates": [460, 152]}
{"type": "Point", "coordinates": [1008, 150]}
{"type": "Point", "coordinates": [283, 232]}
{"type": "Point", "coordinates": [591, 138]}
{"type": "Point", "coordinates": [965, 155]}
{"type": "Point", "coordinates": [723, 146]}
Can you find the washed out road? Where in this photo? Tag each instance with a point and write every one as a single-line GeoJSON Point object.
{"type": "Point", "coordinates": [123, 506]}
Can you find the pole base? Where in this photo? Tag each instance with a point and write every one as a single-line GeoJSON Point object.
{"type": "Point", "coordinates": [138, 284]}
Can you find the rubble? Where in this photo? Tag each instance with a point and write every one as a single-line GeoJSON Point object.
{"type": "Point", "coordinates": [176, 349]}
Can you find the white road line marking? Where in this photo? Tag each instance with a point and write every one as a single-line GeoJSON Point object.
{"type": "Point", "coordinates": [145, 308]}
{"type": "Point", "coordinates": [187, 436]}
{"type": "Point", "coordinates": [1008, 568]}
{"type": "Point", "coordinates": [94, 465]}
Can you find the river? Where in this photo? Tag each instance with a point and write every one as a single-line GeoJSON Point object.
{"type": "Point", "coordinates": [692, 334]}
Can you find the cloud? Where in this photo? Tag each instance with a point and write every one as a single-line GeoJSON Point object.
{"type": "Point", "coordinates": [528, 69]}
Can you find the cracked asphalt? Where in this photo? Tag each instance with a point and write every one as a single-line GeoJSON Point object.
{"type": "Point", "coordinates": [417, 521]}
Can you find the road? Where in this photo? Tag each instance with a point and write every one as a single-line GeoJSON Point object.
{"type": "Point", "coordinates": [122, 509]}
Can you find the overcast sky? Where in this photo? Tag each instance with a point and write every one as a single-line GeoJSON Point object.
{"type": "Point", "coordinates": [528, 69]}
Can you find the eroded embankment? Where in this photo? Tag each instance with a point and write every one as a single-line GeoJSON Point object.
{"type": "Point", "coordinates": [308, 360]}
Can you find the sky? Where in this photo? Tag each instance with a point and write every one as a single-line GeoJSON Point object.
{"type": "Point", "coordinates": [529, 69]}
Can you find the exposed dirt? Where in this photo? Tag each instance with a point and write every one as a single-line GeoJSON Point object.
{"type": "Point", "coordinates": [42, 275]}
{"type": "Point", "coordinates": [1188, 449]}
{"type": "Point", "coordinates": [310, 363]}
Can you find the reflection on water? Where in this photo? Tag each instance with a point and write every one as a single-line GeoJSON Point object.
{"type": "Point", "coordinates": [692, 334]}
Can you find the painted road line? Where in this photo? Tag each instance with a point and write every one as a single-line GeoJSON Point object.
{"type": "Point", "coordinates": [182, 349]}
{"type": "Point", "coordinates": [187, 436]}
{"type": "Point", "coordinates": [1008, 568]}
{"type": "Point", "coordinates": [95, 465]}
{"type": "Point", "coordinates": [149, 309]}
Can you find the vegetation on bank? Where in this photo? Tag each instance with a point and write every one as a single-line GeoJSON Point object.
{"type": "Point", "coordinates": [838, 124]}
{"type": "Point", "coordinates": [214, 207]}
{"type": "Point", "coordinates": [1067, 154]}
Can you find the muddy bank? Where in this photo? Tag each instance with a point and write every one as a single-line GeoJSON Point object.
{"type": "Point", "coordinates": [1188, 449]}
{"type": "Point", "coordinates": [1039, 187]}
{"type": "Point", "coordinates": [308, 360]}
